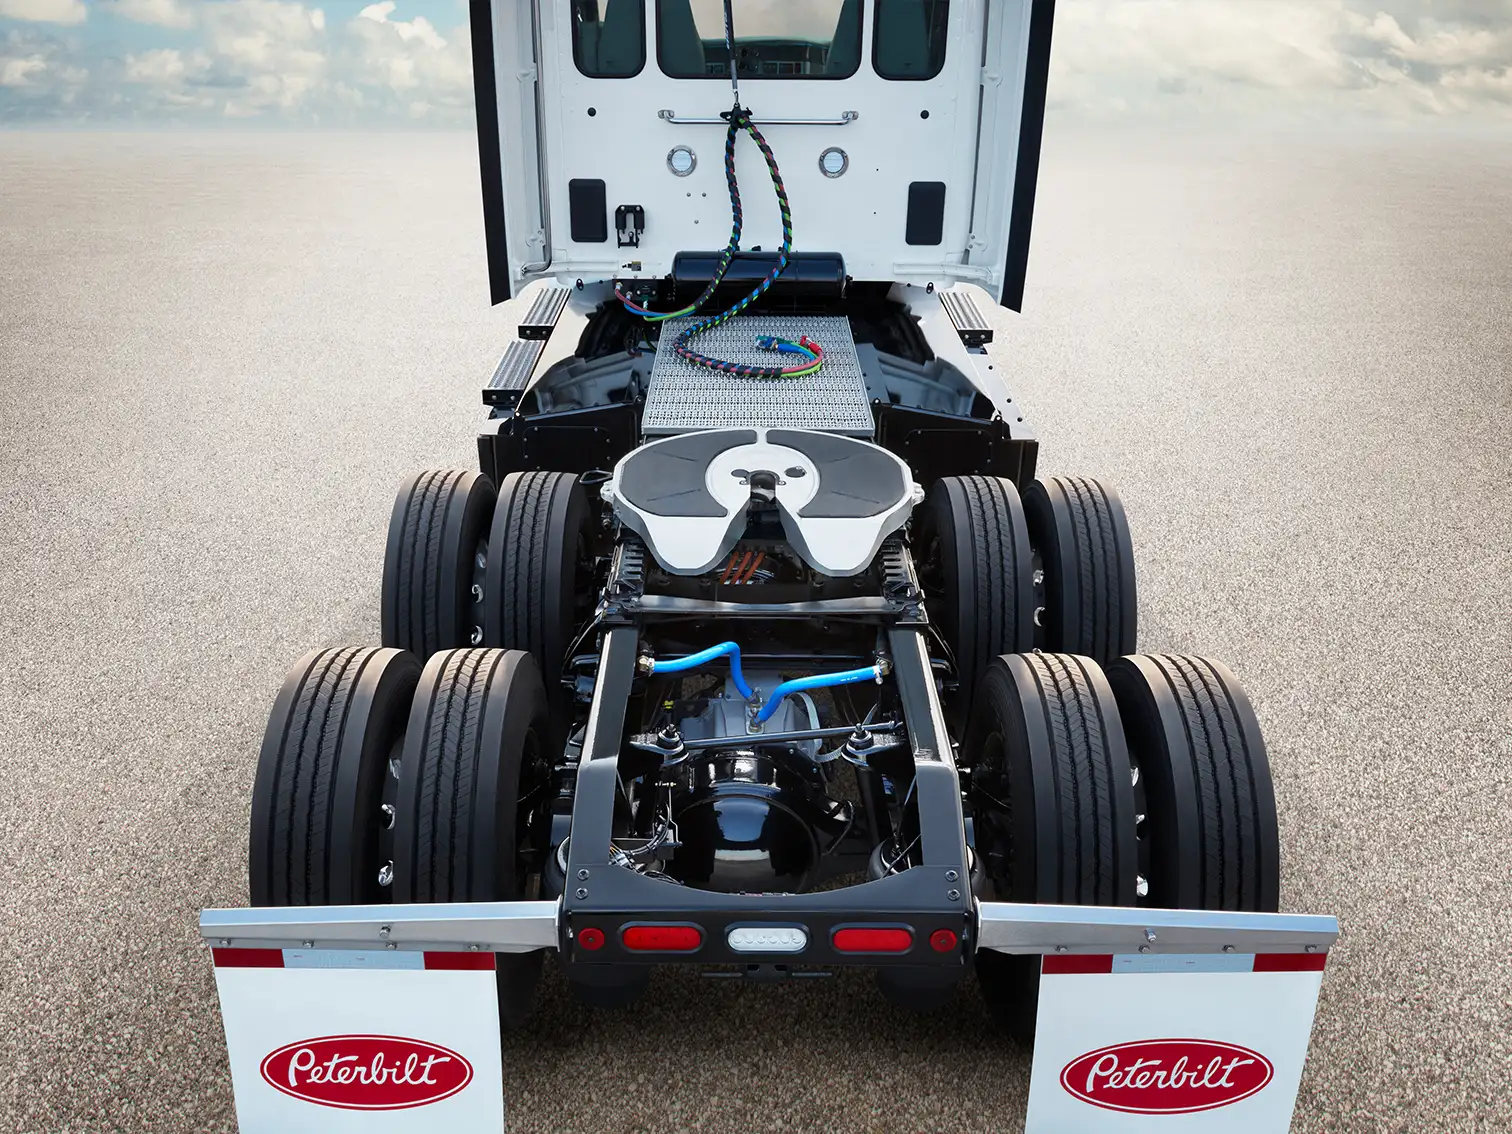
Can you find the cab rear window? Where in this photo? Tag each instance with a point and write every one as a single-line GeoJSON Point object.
{"type": "Point", "coordinates": [909, 39]}
{"type": "Point", "coordinates": [774, 39]}
{"type": "Point", "coordinates": [609, 37]}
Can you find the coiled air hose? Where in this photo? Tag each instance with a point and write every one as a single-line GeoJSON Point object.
{"type": "Point", "coordinates": [810, 354]}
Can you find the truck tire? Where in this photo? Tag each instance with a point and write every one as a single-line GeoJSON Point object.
{"type": "Point", "coordinates": [1051, 793]}
{"type": "Point", "coordinates": [1209, 802]}
{"type": "Point", "coordinates": [539, 581]}
{"type": "Point", "coordinates": [431, 566]}
{"type": "Point", "coordinates": [474, 787]}
{"type": "Point", "coordinates": [1079, 528]}
{"type": "Point", "coordinates": [316, 801]}
{"type": "Point", "coordinates": [974, 554]}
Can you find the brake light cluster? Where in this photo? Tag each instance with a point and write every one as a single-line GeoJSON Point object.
{"type": "Point", "coordinates": [664, 937]}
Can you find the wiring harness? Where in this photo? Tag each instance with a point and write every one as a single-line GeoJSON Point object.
{"type": "Point", "coordinates": [810, 355]}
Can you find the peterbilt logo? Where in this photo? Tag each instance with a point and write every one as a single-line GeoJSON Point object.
{"type": "Point", "coordinates": [1166, 1076]}
{"type": "Point", "coordinates": [366, 1072]}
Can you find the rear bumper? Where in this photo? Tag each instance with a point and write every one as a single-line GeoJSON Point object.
{"type": "Point", "coordinates": [520, 927]}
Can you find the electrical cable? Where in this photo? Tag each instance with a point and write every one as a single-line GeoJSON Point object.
{"type": "Point", "coordinates": [810, 353]}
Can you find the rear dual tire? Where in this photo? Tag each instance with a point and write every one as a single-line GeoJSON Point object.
{"type": "Point", "coordinates": [316, 803]}
{"type": "Point", "coordinates": [472, 810]}
{"type": "Point", "coordinates": [1004, 574]}
{"type": "Point", "coordinates": [434, 561]}
{"type": "Point", "coordinates": [1064, 759]}
{"type": "Point", "coordinates": [1209, 801]}
{"type": "Point", "coordinates": [472, 738]}
{"type": "Point", "coordinates": [1052, 798]}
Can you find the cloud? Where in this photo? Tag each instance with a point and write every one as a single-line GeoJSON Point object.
{"type": "Point", "coordinates": [18, 71]}
{"type": "Point", "coordinates": [401, 61]}
{"type": "Point", "coordinates": [1309, 59]}
{"type": "Point", "coordinates": [163, 13]}
{"type": "Point", "coordinates": [408, 66]}
{"type": "Point", "coordinates": [45, 11]}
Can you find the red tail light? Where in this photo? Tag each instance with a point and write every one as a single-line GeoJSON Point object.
{"type": "Point", "coordinates": [943, 940]}
{"type": "Point", "coordinates": [873, 940]}
{"type": "Point", "coordinates": [591, 938]}
{"type": "Point", "coordinates": [662, 938]}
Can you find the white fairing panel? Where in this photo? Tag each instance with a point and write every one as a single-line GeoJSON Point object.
{"type": "Point", "coordinates": [974, 128]}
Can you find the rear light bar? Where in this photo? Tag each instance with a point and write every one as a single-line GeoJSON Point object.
{"type": "Point", "coordinates": [872, 939]}
{"type": "Point", "coordinates": [662, 938]}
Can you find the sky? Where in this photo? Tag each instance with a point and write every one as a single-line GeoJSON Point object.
{"type": "Point", "coordinates": [408, 62]}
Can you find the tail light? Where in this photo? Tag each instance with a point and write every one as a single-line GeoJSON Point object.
{"type": "Point", "coordinates": [591, 938]}
{"type": "Point", "coordinates": [872, 939]}
{"type": "Point", "coordinates": [661, 938]}
{"type": "Point", "coordinates": [943, 940]}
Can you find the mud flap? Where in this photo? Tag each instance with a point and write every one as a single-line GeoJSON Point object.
{"type": "Point", "coordinates": [335, 1041]}
{"type": "Point", "coordinates": [1171, 1043]}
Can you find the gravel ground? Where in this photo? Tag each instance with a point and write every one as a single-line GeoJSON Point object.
{"type": "Point", "coordinates": [219, 355]}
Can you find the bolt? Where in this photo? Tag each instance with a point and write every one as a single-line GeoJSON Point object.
{"type": "Point", "coordinates": [1060, 948]}
{"type": "Point", "coordinates": [1144, 948]}
{"type": "Point", "coordinates": [581, 891]}
{"type": "Point", "coordinates": [583, 875]}
{"type": "Point", "coordinates": [951, 876]}
{"type": "Point", "coordinates": [473, 948]}
{"type": "Point", "coordinates": [385, 930]}
{"type": "Point", "coordinates": [1310, 948]}
{"type": "Point", "coordinates": [953, 895]}
{"type": "Point", "coordinates": [386, 873]}
{"type": "Point", "coordinates": [1228, 948]}
{"type": "Point", "coordinates": [307, 944]}
{"type": "Point", "coordinates": [225, 941]}
{"type": "Point", "coordinates": [391, 945]}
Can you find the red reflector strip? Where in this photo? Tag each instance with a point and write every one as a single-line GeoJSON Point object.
{"type": "Point", "coordinates": [1290, 962]}
{"type": "Point", "coordinates": [662, 938]}
{"type": "Point", "coordinates": [1068, 964]}
{"type": "Point", "coordinates": [248, 958]}
{"type": "Point", "coordinates": [455, 961]}
{"type": "Point", "coordinates": [862, 940]}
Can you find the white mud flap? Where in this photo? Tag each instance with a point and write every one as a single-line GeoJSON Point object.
{"type": "Point", "coordinates": [341, 1040]}
{"type": "Point", "coordinates": [1171, 1043]}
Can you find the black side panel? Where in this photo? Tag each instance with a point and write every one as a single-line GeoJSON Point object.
{"type": "Point", "coordinates": [589, 209]}
{"type": "Point", "coordinates": [1031, 129]}
{"type": "Point", "coordinates": [926, 212]}
{"type": "Point", "coordinates": [490, 163]}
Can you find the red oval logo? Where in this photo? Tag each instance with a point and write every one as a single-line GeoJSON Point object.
{"type": "Point", "coordinates": [367, 1072]}
{"type": "Point", "coordinates": [1166, 1076]}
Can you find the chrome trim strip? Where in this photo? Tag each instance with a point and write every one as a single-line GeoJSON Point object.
{"type": "Point", "coordinates": [1010, 927]}
{"type": "Point", "coordinates": [498, 927]}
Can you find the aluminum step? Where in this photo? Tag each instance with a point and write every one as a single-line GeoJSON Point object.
{"type": "Point", "coordinates": [513, 373]}
{"type": "Point", "coordinates": [967, 317]}
{"type": "Point", "coordinates": [542, 317]}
